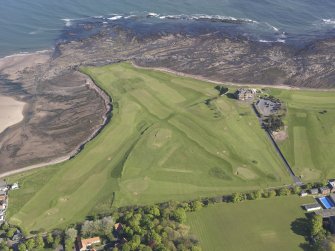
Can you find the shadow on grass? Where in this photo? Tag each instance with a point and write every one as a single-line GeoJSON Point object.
{"type": "Point", "coordinates": [300, 227]}
{"type": "Point", "coordinates": [231, 95]}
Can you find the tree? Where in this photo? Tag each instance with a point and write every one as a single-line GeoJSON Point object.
{"type": "Point", "coordinates": [179, 215]}
{"type": "Point", "coordinates": [68, 245]}
{"type": "Point", "coordinates": [5, 226]}
{"type": "Point", "coordinates": [3, 246]}
{"type": "Point", "coordinates": [237, 197]}
{"type": "Point", "coordinates": [50, 239]}
{"type": "Point", "coordinates": [126, 247]}
{"type": "Point", "coordinates": [316, 224]}
{"type": "Point", "coordinates": [283, 191]}
{"type": "Point", "coordinates": [30, 244]}
{"type": "Point", "coordinates": [196, 205]}
{"type": "Point", "coordinates": [10, 233]}
{"type": "Point", "coordinates": [57, 241]}
{"type": "Point", "coordinates": [154, 237]}
{"type": "Point", "coordinates": [270, 194]}
{"type": "Point", "coordinates": [296, 190]}
{"type": "Point", "coordinates": [71, 233]}
{"type": "Point", "coordinates": [39, 243]}
{"type": "Point", "coordinates": [22, 247]}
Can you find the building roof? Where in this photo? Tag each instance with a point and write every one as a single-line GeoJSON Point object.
{"type": "Point", "coordinates": [118, 226]}
{"type": "Point", "coordinates": [312, 206]}
{"type": "Point", "coordinates": [324, 188]}
{"type": "Point", "coordinates": [326, 213]}
{"type": "Point", "coordinates": [87, 242]}
{"type": "Point", "coordinates": [3, 183]}
{"type": "Point", "coordinates": [313, 190]}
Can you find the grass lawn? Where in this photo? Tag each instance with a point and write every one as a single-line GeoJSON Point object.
{"type": "Point", "coordinates": [170, 138]}
{"type": "Point", "coordinates": [267, 224]}
{"type": "Point", "coordinates": [310, 146]}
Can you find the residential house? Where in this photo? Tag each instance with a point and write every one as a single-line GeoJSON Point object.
{"type": "Point", "coordinates": [3, 185]}
{"type": "Point", "coordinates": [314, 191]}
{"type": "Point", "coordinates": [14, 186]}
{"type": "Point", "coordinates": [312, 207]}
{"type": "Point", "coordinates": [303, 193]}
{"type": "Point", "coordinates": [86, 244]}
{"type": "Point", "coordinates": [324, 190]}
{"type": "Point", "coordinates": [245, 94]}
{"type": "Point", "coordinates": [118, 227]}
{"type": "Point", "coordinates": [3, 196]}
{"type": "Point", "coordinates": [331, 184]}
{"type": "Point", "coordinates": [332, 197]}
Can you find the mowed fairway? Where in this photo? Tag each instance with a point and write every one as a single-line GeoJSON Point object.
{"type": "Point", "coordinates": [267, 224]}
{"type": "Point", "coordinates": [310, 146]}
{"type": "Point", "coordinates": [167, 140]}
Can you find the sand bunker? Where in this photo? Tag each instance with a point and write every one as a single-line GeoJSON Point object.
{"type": "Point", "coordinates": [10, 112]}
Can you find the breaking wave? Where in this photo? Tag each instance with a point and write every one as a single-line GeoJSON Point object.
{"type": "Point", "coordinates": [329, 21]}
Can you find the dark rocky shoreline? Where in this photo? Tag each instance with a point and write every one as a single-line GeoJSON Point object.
{"type": "Point", "coordinates": [64, 112]}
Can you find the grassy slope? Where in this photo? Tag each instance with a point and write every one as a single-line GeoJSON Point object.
{"type": "Point", "coordinates": [310, 147]}
{"type": "Point", "coordinates": [163, 143]}
{"type": "Point", "coordinates": [251, 225]}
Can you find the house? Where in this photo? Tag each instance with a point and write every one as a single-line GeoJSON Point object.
{"type": "Point", "coordinates": [3, 185]}
{"type": "Point", "coordinates": [303, 193]}
{"type": "Point", "coordinates": [14, 186]}
{"type": "Point", "coordinates": [86, 244]}
{"type": "Point", "coordinates": [3, 196]}
{"type": "Point", "coordinates": [332, 198]}
{"type": "Point", "coordinates": [118, 227]}
{"type": "Point", "coordinates": [331, 184]}
{"type": "Point", "coordinates": [313, 191]}
{"type": "Point", "coordinates": [312, 207]}
{"type": "Point", "coordinates": [245, 94]}
{"type": "Point", "coordinates": [324, 190]}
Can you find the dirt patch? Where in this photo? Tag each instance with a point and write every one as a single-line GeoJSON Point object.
{"type": "Point", "coordinates": [280, 135]}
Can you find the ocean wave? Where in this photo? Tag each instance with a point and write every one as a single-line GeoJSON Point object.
{"type": "Point", "coordinates": [279, 40]}
{"type": "Point", "coordinates": [329, 21]}
{"type": "Point", "coordinates": [68, 21]}
{"type": "Point", "coordinates": [26, 53]}
{"type": "Point", "coordinates": [209, 18]}
{"type": "Point", "coordinates": [152, 14]}
{"type": "Point", "coordinates": [195, 17]}
{"type": "Point", "coordinates": [115, 17]}
{"type": "Point", "coordinates": [272, 27]}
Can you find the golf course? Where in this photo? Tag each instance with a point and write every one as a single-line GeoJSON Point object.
{"type": "Point", "coordinates": [310, 145]}
{"type": "Point", "coordinates": [267, 224]}
{"type": "Point", "coordinates": [169, 138]}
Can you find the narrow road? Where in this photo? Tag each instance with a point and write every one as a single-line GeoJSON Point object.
{"type": "Point", "coordinates": [295, 179]}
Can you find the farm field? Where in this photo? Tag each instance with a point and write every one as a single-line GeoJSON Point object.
{"type": "Point", "coordinates": [266, 224]}
{"type": "Point", "coordinates": [170, 138]}
{"type": "Point", "coordinates": [310, 145]}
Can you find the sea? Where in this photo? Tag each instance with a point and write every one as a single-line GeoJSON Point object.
{"type": "Point", "coordinates": [33, 25]}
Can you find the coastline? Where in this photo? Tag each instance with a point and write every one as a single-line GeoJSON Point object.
{"type": "Point", "coordinates": [106, 118]}
{"type": "Point", "coordinates": [198, 77]}
{"type": "Point", "coordinates": [12, 112]}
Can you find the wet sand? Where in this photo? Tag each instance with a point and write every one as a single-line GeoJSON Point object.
{"type": "Point", "coordinates": [11, 112]}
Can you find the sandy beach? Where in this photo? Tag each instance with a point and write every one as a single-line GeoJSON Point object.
{"type": "Point", "coordinates": [10, 112]}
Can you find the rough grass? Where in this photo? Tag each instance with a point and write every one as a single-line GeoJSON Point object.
{"type": "Point", "coordinates": [310, 145]}
{"type": "Point", "coordinates": [269, 224]}
{"type": "Point", "coordinates": [163, 143]}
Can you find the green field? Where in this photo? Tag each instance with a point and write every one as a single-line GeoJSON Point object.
{"type": "Point", "coordinates": [267, 224]}
{"type": "Point", "coordinates": [310, 146]}
{"type": "Point", "coordinates": [169, 138]}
